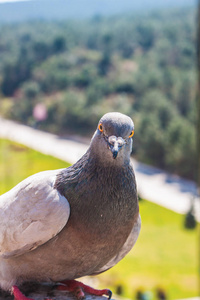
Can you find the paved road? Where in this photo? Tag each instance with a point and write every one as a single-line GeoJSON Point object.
{"type": "Point", "coordinates": [154, 185]}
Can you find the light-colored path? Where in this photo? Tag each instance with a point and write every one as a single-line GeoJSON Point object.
{"type": "Point", "coordinates": [154, 185]}
{"type": "Point", "coordinates": [195, 298]}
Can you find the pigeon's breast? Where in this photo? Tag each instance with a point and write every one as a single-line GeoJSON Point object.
{"type": "Point", "coordinates": [102, 217]}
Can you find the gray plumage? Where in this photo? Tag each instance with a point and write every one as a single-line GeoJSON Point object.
{"type": "Point", "coordinates": [68, 223]}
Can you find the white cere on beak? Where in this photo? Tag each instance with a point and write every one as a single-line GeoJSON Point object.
{"type": "Point", "coordinates": [113, 139]}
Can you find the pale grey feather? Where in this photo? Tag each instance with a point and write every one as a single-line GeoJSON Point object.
{"type": "Point", "coordinates": [31, 214]}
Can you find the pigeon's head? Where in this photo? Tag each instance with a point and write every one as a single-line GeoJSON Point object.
{"type": "Point", "coordinates": [113, 137]}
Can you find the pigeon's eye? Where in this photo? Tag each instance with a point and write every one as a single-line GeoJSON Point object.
{"type": "Point", "coordinates": [100, 127]}
{"type": "Point", "coordinates": [131, 134]}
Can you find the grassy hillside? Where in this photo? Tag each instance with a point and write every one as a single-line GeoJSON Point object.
{"type": "Point", "coordinates": [165, 254]}
{"type": "Point", "coordinates": [18, 162]}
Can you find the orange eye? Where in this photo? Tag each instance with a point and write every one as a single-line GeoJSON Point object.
{"type": "Point", "coordinates": [131, 134]}
{"type": "Point", "coordinates": [100, 127]}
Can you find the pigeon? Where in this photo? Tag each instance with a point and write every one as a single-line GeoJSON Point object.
{"type": "Point", "coordinates": [57, 226]}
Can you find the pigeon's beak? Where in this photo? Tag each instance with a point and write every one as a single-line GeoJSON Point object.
{"type": "Point", "coordinates": [115, 144]}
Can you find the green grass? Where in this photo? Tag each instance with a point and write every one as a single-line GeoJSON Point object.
{"type": "Point", "coordinates": [165, 254]}
{"type": "Point", "coordinates": [18, 162]}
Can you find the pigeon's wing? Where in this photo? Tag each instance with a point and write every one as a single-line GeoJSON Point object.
{"type": "Point", "coordinates": [128, 245]}
{"type": "Point", "coordinates": [31, 213]}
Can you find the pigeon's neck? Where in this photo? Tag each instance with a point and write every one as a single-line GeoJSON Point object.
{"type": "Point", "coordinates": [90, 168]}
{"type": "Point", "coordinates": [102, 194]}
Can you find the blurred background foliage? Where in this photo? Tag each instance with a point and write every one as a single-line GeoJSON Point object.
{"type": "Point", "coordinates": [142, 65]}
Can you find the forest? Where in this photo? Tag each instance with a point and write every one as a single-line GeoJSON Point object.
{"type": "Point", "coordinates": [143, 65]}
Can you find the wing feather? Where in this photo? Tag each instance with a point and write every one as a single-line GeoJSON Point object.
{"type": "Point", "coordinates": [31, 213]}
